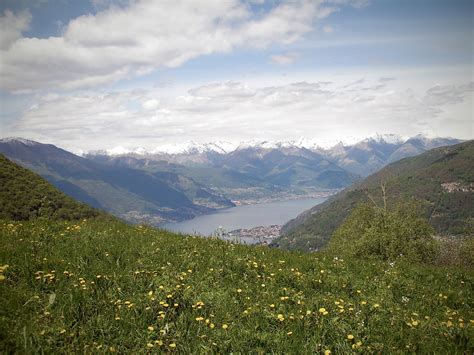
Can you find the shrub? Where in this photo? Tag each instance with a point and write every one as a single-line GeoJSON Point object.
{"type": "Point", "coordinates": [386, 234]}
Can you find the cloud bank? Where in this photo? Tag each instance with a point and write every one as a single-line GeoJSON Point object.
{"type": "Point", "coordinates": [125, 41]}
{"type": "Point", "coordinates": [235, 111]}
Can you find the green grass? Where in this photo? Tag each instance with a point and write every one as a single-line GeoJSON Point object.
{"type": "Point", "coordinates": [94, 287]}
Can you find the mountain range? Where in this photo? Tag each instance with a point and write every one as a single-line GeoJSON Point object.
{"type": "Point", "coordinates": [182, 181]}
{"type": "Point", "coordinates": [441, 179]}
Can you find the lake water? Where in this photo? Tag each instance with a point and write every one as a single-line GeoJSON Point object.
{"type": "Point", "coordinates": [246, 216]}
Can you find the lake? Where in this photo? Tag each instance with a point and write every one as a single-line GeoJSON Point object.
{"type": "Point", "coordinates": [245, 216]}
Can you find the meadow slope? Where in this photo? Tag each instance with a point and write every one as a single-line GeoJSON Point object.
{"type": "Point", "coordinates": [97, 287]}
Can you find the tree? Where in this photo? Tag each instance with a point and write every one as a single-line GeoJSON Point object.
{"type": "Point", "coordinates": [372, 231]}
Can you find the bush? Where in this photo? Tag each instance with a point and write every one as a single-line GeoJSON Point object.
{"type": "Point", "coordinates": [378, 232]}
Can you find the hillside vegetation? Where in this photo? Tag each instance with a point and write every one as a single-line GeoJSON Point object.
{"type": "Point", "coordinates": [25, 195]}
{"type": "Point", "coordinates": [442, 179]}
{"type": "Point", "coordinates": [94, 287]}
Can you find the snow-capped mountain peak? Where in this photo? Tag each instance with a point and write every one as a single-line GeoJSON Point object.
{"type": "Point", "coordinates": [386, 138]}
{"type": "Point", "coordinates": [19, 140]}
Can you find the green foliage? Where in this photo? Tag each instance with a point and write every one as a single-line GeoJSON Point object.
{"type": "Point", "coordinates": [25, 195]}
{"type": "Point", "coordinates": [388, 235]}
{"type": "Point", "coordinates": [96, 287]}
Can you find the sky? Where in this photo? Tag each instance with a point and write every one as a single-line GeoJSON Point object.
{"type": "Point", "coordinates": [98, 74]}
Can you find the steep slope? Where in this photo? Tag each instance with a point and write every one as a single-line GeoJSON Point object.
{"type": "Point", "coordinates": [25, 195]}
{"type": "Point", "coordinates": [132, 194]}
{"type": "Point", "coordinates": [443, 179]}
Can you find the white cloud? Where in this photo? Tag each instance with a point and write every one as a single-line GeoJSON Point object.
{"type": "Point", "coordinates": [151, 104]}
{"type": "Point", "coordinates": [236, 111]}
{"type": "Point", "coordinates": [123, 41]}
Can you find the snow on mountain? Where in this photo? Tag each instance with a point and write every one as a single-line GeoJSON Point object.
{"type": "Point", "coordinates": [19, 140]}
{"type": "Point", "coordinates": [221, 147]}
{"type": "Point", "coordinates": [387, 138]}
{"type": "Point", "coordinates": [334, 146]}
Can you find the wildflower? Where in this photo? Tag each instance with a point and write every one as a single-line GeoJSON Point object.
{"type": "Point", "coordinates": [376, 305]}
{"type": "Point", "coordinates": [327, 352]}
{"type": "Point", "coordinates": [289, 333]}
{"type": "Point", "coordinates": [212, 325]}
{"type": "Point", "coordinates": [2, 278]}
{"type": "Point", "coordinates": [280, 317]}
{"type": "Point", "coordinates": [350, 337]}
{"type": "Point", "coordinates": [415, 323]}
{"type": "Point", "coordinates": [149, 345]}
{"type": "Point", "coordinates": [150, 328]}
{"type": "Point", "coordinates": [225, 326]}
{"type": "Point", "coordinates": [239, 290]}
{"type": "Point", "coordinates": [272, 306]}
{"type": "Point", "coordinates": [159, 342]}
{"type": "Point", "coordinates": [173, 345]}
{"type": "Point", "coordinates": [199, 319]}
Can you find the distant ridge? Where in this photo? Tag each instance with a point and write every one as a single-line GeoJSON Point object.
{"type": "Point", "coordinates": [361, 157]}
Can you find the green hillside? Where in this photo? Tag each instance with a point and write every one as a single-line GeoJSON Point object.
{"type": "Point", "coordinates": [443, 179]}
{"type": "Point", "coordinates": [25, 195]}
{"type": "Point", "coordinates": [96, 287]}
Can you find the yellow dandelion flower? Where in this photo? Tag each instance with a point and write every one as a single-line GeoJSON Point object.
{"type": "Point", "coordinates": [225, 326]}
{"type": "Point", "coordinates": [2, 278]}
{"type": "Point", "coordinates": [150, 328]}
{"type": "Point", "coordinates": [239, 290]}
{"type": "Point", "coordinates": [212, 325]}
{"type": "Point", "coordinates": [173, 345]}
{"type": "Point", "coordinates": [149, 345]}
{"type": "Point", "coordinates": [199, 319]}
{"type": "Point", "coordinates": [350, 337]}
{"type": "Point", "coordinates": [327, 352]}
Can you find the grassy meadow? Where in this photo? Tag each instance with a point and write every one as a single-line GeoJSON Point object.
{"type": "Point", "coordinates": [99, 287]}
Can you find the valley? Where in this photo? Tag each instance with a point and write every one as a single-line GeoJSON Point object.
{"type": "Point", "coordinates": [179, 183]}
